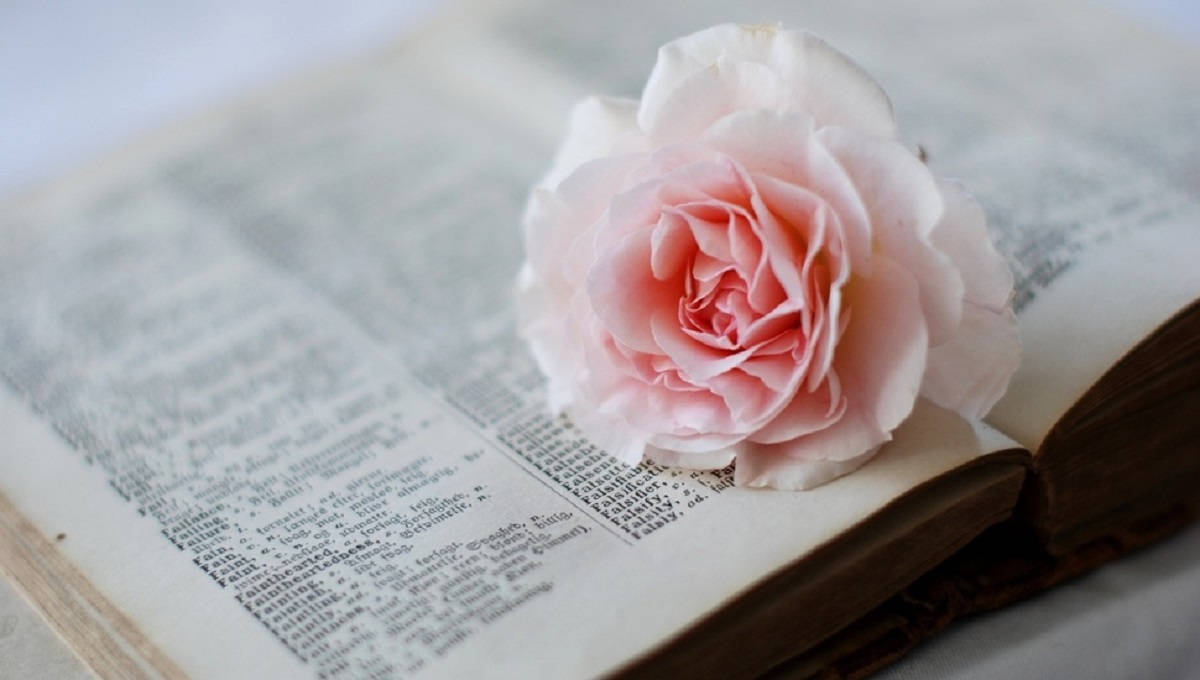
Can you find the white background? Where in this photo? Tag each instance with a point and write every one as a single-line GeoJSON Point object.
{"type": "Point", "coordinates": [79, 78]}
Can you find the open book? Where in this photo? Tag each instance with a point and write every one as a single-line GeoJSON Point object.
{"type": "Point", "coordinates": [265, 413]}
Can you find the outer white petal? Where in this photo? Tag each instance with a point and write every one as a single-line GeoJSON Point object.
{"type": "Point", "coordinates": [538, 323]}
{"type": "Point", "coordinates": [769, 466]}
{"type": "Point", "coordinates": [609, 433]}
{"type": "Point", "coordinates": [783, 146]}
{"type": "Point", "coordinates": [598, 127]}
{"type": "Point", "coordinates": [970, 372]}
{"type": "Point", "coordinates": [549, 226]}
{"type": "Point", "coordinates": [706, 460]}
{"type": "Point", "coordinates": [816, 78]}
{"type": "Point", "coordinates": [962, 235]}
{"type": "Point", "coordinates": [695, 444]}
{"type": "Point", "coordinates": [905, 205]}
{"type": "Point", "coordinates": [882, 355]}
{"type": "Point", "coordinates": [725, 87]}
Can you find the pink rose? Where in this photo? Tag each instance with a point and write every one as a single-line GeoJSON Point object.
{"type": "Point", "coordinates": [747, 266]}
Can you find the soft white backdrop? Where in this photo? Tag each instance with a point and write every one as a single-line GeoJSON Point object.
{"type": "Point", "coordinates": [80, 77]}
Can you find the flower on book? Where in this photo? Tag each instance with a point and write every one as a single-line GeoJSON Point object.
{"type": "Point", "coordinates": [747, 267]}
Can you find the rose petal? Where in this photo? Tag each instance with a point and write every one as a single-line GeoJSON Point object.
{"type": "Point", "coordinates": [905, 205]}
{"type": "Point", "coordinates": [711, 93]}
{"type": "Point", "coordinates": [744, 247]}
{"type": "Point", "coordinates": [962, 235]}
{"type": "Point", "coordinates": [699, 361]}
{"type": "Point", "coordinates": [609, 433]}
{"type": "Point", "coordinates": [808, 412]}
{"type": "Point", "coordinates": [700, 460]}
{"type": "Point", "coordinates": [774, 370]}
{"type": "Point", "coordinates": [791, 168]}
{"type": "Point", "coordinates": [548, 224]}
{"type": "Point", "coordinates": [584, 196]}
{"type": "Point", "coordinates": [771, 324]}
{"type": "Point", "coordinates": [970, 372]}
{"type": "Point", "coordinates": [671, 244]}
{"type": "Point", "coordinates": [548, 341]}
{"type": "Point", "coordinates": [695, 443]}
{"type": "Point", "coordinates": [682, 191]}
{"type": "Point", "coordinates": [744, 396]}
{"type": "Point", "coordinates": [797, 465]}
{"type": "Point", "coordinates": [881, 357]}
{"type": "Point", "coordinates": [625, 294]}
{"type": "Point", "coordinates": [648, 407]}
{"type": "Point", "coordinates": [597, 127]}
{"type": "Point", "coordinates": [589, 189]}
{"type": "Point", "coordinates": [816, 78]}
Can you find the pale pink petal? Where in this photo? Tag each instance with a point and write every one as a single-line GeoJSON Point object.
{"type": "Point", "coordinates": [695, 443]}
{"type": "Point", "coordinates": [711, 235]}
{"type": "Point", "coordinates": [770, 325]}
{"type": "Point", "coordinates": [583, 197]}
{"type": "Point", "coordinates": [745, 318]}
{"type": "Point", "coordinates": [774, 465]}
{"type": "Point", "coordinates": [712, 93]}
{"type": "Point", "coordinates": [708, 268]}
{"type": "Point", "coordinates": [779, 244]}
{"type": "Point", "coordinates": [744, 247]}
{"type": "Point", "coordinates": [665, 160]}
{"type": "Point", "coordinates": [790, 168]}
{"type": "Point", "coordinates": [588, 190]}
{"type": "Point", "coordinates": [808, 412]}
{"type": "Point", "coordinates": [700, 460]}
{"type": "Point", "coordinates": [744, 396]}
{"type": "Point", "coordinates": [550, 226]}
{"type": "Point", "coordinates": [540, 324]}
{"type": "Point", "coordinates": [671, 245]}
{"type": "Point", "coordinates": [647, 407]}
{"type": "Point", "coordinates": [699, 361]}
{"type": "Point", "coordinates": [765, 292]}
{"type": "Point", "coordinates": [962, 235]}
{"type": "Point", "coordinates": [819, 223]}
{"type": "Point", "coordinates": [819, 80]}
{"type": "Point", "coordinates": [881, 357]}
{"type": "Point", "coordinates": [625, 294]}
{"type": "Point", "coordinates": [660, 409]}
{"type": "Point", "coordinates": [905, 205]}
{"type": "Point", "coordinates": [774, 370]}
{"type": "Point", "coordinates": [598, 127]}
{"type": "Point", "coordinates": [970, 372]}
{"type": "Point", "coordinates": [640, 206]}
{"type": "Point", "coordinates": [609, 433]}
{"type": "Point", "coordinates": [784, 344]}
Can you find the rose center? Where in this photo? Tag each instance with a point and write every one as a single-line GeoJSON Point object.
{"type": "Point", "coordinates": [714, 306]}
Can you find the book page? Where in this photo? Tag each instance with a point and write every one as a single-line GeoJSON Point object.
{"type": "Point", "coordinates": [263, 379]}
{"type": "Point", "coordinates": [1074, 126]}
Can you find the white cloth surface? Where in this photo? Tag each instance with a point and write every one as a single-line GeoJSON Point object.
{"type": "Point", "coordinates": [1138, 617]}
{"type": "Point", "coordinates": [78, 78]}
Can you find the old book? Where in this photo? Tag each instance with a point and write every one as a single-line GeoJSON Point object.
{"type": "Point", "coordinates": [265, 412]}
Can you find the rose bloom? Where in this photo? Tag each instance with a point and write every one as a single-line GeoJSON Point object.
{"type": "Point", "coordinates": [746, 265]}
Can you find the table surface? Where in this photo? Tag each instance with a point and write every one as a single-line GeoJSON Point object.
{"type": "Point", "coordinates": [132, 67]}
